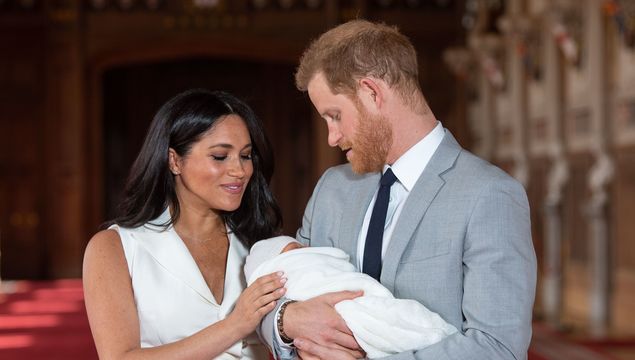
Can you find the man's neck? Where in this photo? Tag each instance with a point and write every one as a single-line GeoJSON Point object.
{"type": "Point", "coordinates": [409, 129]}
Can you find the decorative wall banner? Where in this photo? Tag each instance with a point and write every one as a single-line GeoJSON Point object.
{"type": "Point", "coordinates": [566, 42]}
{"type": "Point", "coordinates": [492, 71]}
{"type": "Point", "coordinates": [623, 15]}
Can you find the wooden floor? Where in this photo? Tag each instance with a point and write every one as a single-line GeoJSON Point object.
{"type": "Point", "coordinates": [47, 320]}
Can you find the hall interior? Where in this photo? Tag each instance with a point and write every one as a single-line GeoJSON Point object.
{"type": "Point", "coordinates": [543, 89]}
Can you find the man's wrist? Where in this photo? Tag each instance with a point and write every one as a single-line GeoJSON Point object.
{"type": "Point", "coordinates": [280, 322]}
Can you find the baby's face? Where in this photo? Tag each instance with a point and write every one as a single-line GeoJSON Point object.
{"type": "Point", "coordinates": [291, 246]}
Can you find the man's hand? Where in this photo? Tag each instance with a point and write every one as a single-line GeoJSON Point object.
{"type": "Point", "coordinates": [316, 321]}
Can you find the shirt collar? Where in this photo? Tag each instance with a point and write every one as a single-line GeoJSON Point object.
{"type": "Point", "coordinates": [410, 165]}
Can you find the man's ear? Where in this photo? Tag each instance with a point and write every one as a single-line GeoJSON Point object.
{"type": "Point", "coordinates": [370, 94]}
{"type": "Point", "coordinates": [173, 161]}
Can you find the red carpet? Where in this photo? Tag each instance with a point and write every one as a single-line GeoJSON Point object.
{"type": "Point", "coordinates": [44, 320]}
{"type": "Point", "coordinates": [47, 320]}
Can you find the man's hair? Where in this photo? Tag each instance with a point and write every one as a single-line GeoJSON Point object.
{"type": "Point", "coordinates": [358, 49]}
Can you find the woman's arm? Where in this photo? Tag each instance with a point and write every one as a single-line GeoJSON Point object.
{"type": "Point", "coordinates": [112, 312]}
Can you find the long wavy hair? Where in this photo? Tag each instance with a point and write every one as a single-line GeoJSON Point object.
{"type": "Point", "coordinates": [178, 124]}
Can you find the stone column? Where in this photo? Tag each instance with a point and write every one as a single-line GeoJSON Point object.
{"type": "Point", "coordinates": [556, 178]}
{"type": "Point", "coordinates": [601, 173]}
{"type": "Point", "coordinates": [514, 24]}
{"type": "Point", "coordinates": [484, 48]}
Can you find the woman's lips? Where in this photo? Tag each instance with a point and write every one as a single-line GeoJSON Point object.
{"type": "Point", "coordinates": [233, 188]}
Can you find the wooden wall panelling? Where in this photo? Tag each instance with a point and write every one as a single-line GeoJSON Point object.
{"type": "Point", "coordinates": [64, 144]}
{"type": "Point", "coordinates": [289, 127]}
{"type": "Point", "coordinates": [23, 247]}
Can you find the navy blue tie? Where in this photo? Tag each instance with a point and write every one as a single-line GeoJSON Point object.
{"type": "Point", "coordinates": [375, 235]}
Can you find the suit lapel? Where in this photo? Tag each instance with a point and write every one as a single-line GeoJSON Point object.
{"type": "Point", "coordinates": [170, 251]}
{"type": "Point", "coordinates": [234, 278]}
{"type": "Point", "coordinates": [423, 193]}
{"type": "Point", "coordinates": [353, 213]}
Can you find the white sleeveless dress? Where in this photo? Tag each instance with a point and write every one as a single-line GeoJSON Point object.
{"type": "Point", "coordinates": [173, 300]}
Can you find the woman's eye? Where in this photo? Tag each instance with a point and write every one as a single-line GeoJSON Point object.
{"type": "Point", "coordinates": [219, 157]}
{"type": "Point", "coordinates": [246, 156]}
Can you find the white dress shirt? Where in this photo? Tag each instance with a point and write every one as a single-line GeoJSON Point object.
{"type": "Point", "coordinates": [408, 168]}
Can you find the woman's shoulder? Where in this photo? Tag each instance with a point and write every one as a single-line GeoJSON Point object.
{"type": "Point", "coordinates": [104, 251]}
{"type": "Point", "coordinates": [104, 242]}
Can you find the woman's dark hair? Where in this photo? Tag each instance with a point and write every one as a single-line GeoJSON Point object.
{"type": "Point", "coordinates": [178, 124]}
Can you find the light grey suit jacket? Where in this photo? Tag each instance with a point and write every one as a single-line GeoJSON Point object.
{"type": "Point", "coordinates": [462, 247]}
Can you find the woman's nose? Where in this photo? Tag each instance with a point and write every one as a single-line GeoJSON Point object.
{"type": "Point", "coordinates": [237, 168]}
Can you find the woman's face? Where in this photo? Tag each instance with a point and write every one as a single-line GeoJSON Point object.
{"type": "Point", "coordinates": [215, 174]}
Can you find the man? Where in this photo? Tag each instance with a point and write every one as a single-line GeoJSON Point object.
{"type": "Point", "coordinates": [440, 226]}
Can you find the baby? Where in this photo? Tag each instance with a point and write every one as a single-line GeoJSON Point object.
{"type": "Point", "coordinates": [381, 324]}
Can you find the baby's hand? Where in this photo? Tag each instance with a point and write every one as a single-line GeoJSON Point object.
{"type": "Point", "coordinates": [291, 246]}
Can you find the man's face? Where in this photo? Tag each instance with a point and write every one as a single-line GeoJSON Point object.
{"type": "Point", "coordinates": [366, 138]}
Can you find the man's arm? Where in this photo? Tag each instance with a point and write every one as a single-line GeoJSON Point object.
{"type": "Point", "coordinates": [270, 337]}
{"type": "Point", "coordinates": [499, 282]}
{"type": "Point", "coordinates": [316, 318]}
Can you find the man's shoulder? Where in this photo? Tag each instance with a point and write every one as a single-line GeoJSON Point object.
{"type": "Point", "coordinates": [340, 182]}
{"type": "Point", "coordinates": [472, 174]}
{"type": "Point", "coordinates": [473, 170]}
{"type": "Point", "coordinates": [451, 160]}
{"type": "Point", "coordinates": [344, 172]}
{"type": "Point", "coordinates": [469, 162]}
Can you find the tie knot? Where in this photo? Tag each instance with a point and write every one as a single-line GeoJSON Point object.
{"type": "Point", "coordinates": [388, 178]}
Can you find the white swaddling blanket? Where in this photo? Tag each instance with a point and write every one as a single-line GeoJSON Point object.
{"type": "Point", "coordinates": [381, 324]}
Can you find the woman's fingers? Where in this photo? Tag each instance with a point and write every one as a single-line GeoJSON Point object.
{"type": "Point", "coordinates": [266, 289]}
{"type": "Point", "coordinates": [271, 297]}
{"type": "Point", "coordinates": [268, 283]}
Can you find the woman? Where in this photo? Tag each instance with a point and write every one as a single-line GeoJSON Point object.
{"type": "Point", "coordinates": [165, 280]}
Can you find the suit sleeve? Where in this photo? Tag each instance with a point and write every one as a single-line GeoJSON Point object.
{"type": "Point", "coordinates": [253, 349]}
{"type": "Point", "coordinates": [499, 280]}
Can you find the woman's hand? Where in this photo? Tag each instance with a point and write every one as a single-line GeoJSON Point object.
{"type": "Point", "coordinates": [257, 301]}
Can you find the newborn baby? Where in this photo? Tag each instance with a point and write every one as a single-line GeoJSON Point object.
{"type": "Point", "coordinates": [381, 324]}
